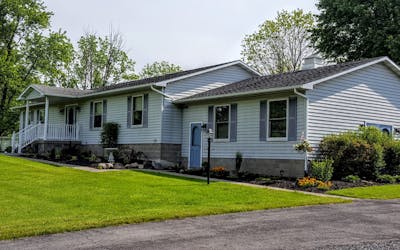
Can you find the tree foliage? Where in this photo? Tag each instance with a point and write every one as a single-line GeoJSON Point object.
{"type": "Point", "coordinates": [279, 45]}
{"type": "Point", "coordinates": [26, 54]}
{"type": "Point", "coordinates": [159, 68]}
{"type": "Point", "coordinates": [101, 61]}
{"type": "Point", "coordinates": [352, 29]}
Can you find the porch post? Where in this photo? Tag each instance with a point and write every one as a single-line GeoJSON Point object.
{"type": "Point", "coordinates": [46, 117]}
{"type": "Point", "coordinates": [26, 113]}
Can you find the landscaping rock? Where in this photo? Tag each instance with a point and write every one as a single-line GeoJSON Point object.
{"type": "Point", "coordinates": [102, 166]}
{"type": "Point", "coordinates": [118, 165]}
{"type": "Point", "coordinates": [109, 165]}
{"type": "Point", "coordinates": [132, 165]}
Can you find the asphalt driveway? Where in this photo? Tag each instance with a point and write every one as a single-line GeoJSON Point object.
{"type": "Point", "coordinates": [359, 225]}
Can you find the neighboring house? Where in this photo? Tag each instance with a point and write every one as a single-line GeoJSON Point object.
{"type": "Point", "coordinates": [262, 117]}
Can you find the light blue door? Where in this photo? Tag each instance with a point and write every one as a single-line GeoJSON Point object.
{"type": "Point", "coordinates": [195, 145]}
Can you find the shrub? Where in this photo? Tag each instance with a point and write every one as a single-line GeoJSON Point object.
{"type": "Point", "coordinates": [303, 146]}
{"type": "Point", "coordinates": [324, 185]}
{"type": "Point", "coordinates": [8, 149]}
{"type": "Point", "coordinates": [219, 172]}
{"type": "Point", "coordinates": [392, 158]}
{"type": "Point", "coordinates": [355, 153]}
{"type": "Point", "coordinates": [238, 161]}
{"type": "Point", "coordinates": [385, 178]}
{"type": "Point", "coordinates": [322, 170]}
{"type": "Point", "coordinates": [109, 134]}
{"type": "Point", "coordinates": [352, 178]}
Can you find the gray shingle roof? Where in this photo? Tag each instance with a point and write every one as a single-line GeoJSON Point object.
{"type": "Point", "coordinates": [156, 78]}
{"type": "Point", "coordinates": [70, 92]}
{"type": "Point", "coordinates": [280, 80]}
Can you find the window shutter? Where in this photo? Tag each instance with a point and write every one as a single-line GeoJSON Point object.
{"type": "Point", "coordinates": [292, 136]}
{"type": "Point", "coordinates": [263, 121]}
{"type": "Point", "coordinates": [104, 111]}
{"type": "Point", "coordinates": [128, 113]}
{"type": "Point", "coordinates": [91, 119]}
{"type": "Point", "coordinates": [145, 110]}
{"type": "Point", "coordinates": [233, 123]}
{"type": "Point", "coordinates": [210, 124]}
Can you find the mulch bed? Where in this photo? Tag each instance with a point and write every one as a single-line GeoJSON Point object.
{"type": "Point", "coordinates": [288, 184]}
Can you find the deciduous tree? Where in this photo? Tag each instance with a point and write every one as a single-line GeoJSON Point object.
{"type": "Point", "coordinates": [159, 68]}
{"type": "Point", "coordinates": [279, 45]}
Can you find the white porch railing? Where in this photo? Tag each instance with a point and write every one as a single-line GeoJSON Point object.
{"type": "Point", "coordinates": [55, 132]}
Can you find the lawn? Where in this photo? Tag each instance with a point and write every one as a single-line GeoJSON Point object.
{"type": "Point", "coordinates": [37, 198]}
{"type": "Point", "coordinates": [374, 192]}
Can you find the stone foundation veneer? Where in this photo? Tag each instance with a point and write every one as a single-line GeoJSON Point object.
{"type": "Point", "coordinates": [272, 167]}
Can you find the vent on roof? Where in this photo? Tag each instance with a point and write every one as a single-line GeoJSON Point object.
{"type": "Point", "coordinates": [312, 62]}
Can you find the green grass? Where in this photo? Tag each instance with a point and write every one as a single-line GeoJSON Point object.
{"type": "Point", "coordinates": [374, 192]}
{"type": "Point", "coordinates": [37, 198]}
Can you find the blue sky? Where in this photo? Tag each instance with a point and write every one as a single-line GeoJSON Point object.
{"type": "Point", "coordinates": [190, 33]}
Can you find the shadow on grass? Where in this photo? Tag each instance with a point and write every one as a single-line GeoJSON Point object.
{"type": "Point", "coordinates": [165, 175]}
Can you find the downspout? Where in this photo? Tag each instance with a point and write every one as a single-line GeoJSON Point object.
{"type": "Point", "coordinates": [306, 128]}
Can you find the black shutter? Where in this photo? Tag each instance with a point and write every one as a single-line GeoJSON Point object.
{"type": "Point", "coordinates": [91, 119]}
{"type": "Point", "coordinates": [145, 110]}
{"type": "Point", "coordinates": [104, 111]}
{"type": "Point", "coordinates": [128, 113]}
{"type": "Point", "coordinates": [263, 121]}
{"type": "Point", "coordinates": [233, 123]}
{"type": "Point", "coordinates": [292, 136]}
{"type": "Point", "coordinates": [210, 124]}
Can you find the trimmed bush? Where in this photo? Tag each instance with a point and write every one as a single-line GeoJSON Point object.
{"type": "Point", "coordinates": [352, 178]}
{"type": "Point", "coordinates": [109, 134]}
{"type": "Point", "coordinates": [356, 153]}
{"type": "Point", "coordinates": [392, 158]}
{"type": "Point", "coordinates": [385, 178]}
{"type": "Point", "coordinates": [322, 170]}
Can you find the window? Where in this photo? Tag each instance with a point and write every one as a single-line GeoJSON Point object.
{"type": "Point", "coordinates": [277, 119]}
{"type": "Point", "coordinates": [137, 110]}
{"type": "Point", "coordinates": [222, 122]}
{"type": "Point", "coordinates": [98, 114]}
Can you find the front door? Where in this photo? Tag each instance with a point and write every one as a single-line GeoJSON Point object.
{"type": "Point", "coordinates": [70, 115]}
{"type": "Point", "coordinates": [195, 145]}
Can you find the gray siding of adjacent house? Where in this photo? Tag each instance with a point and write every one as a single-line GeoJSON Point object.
{"type": "Point", "coordinates": [172, 116]}
{"type": "Point", "coordinates": [371, 94]}
{"type": "Point", "coordinates": [248, 123]}
{"type": "Point", "coordinates": [117, 112]}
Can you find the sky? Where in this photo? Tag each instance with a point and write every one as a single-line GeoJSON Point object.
{"type": "Point", "coordinates": [190, 33]}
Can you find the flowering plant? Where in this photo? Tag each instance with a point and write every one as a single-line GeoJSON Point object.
{"type": "Point", "coordinates": [303, 146]}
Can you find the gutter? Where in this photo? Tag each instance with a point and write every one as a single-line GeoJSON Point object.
{"type": "Point", "coordinates": [162, 93]}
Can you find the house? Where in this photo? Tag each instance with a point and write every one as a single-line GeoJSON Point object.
{"type": "Point", "coordinates": [262, 117]}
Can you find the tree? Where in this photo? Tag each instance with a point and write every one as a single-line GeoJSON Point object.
{"type": "Point", "coordinates": [279, 45]}
{"type": "Point", "coordinates": [26, 54]}
{"type": "Point", "coordinates": [354, 29]}
{"type": "Point", "coordinates": [159, 68]}
{"type": "Point", "coordinates": [101, 61]}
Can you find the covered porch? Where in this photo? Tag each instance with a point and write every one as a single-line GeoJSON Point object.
{"type": "Point", "coordinates": [35, 125]}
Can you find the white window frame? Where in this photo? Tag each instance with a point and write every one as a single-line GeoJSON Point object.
{"type": "Point", "coordinates": [94, 113]}
{"type": "Point", "coordinates": [132, 111]}
{"type": "Point", "coordinates": [215, 123]}
{"type": "Point", "coordinates": [287, 120]}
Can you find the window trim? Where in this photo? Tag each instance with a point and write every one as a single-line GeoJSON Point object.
{"type": "Point", "coordinates": [94, 114]}
{"type": "Point", "coordinates": [215, 123]}
{"type": "Point", "coordinates": [287, 120]}
{"type": "Point", "coordinates": [132, 111]}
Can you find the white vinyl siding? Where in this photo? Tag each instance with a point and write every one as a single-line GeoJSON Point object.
{"type": "Point", "coordinates": [172, 115]}
{"type": "Point", "coordinates": [371, 94]}
{"type": "Point", "coordinates": [248, 122]}
{"type": "Point", "coordinates": [117, 112]}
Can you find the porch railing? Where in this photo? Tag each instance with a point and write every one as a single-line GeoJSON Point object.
{"type": "Point", "coordinates": [55, 132]}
